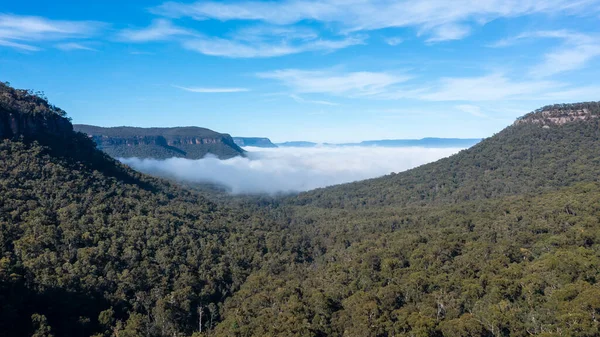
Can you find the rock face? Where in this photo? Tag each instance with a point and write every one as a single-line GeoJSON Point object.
{"type": "Point", "coordinates": [561, 114]}
{"type": "Point", "coordinates": [253, 141]}
{"type": "Point", "coordinates": [24, 113]}
{"type": "Point", "coordinates": [13, 125]}
{"type": "Point", "coordinates": [161, 143]}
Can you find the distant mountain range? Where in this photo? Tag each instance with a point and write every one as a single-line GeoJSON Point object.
{"type": "Point", "coordinates": [196, 142]}
{"type": "Point", "coordinates": [161, 143]}
{"type": "Point", "coordinates": [297, 144]}
{"type": "Point", "coordinates": [253, 141]}
{"type": "Point", "coordinates": [425, 142]}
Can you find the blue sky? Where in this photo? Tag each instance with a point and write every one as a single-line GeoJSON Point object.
{"type": "Point", "coordinates": [326, 71]}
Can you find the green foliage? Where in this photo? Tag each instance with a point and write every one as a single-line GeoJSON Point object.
{"type": "Point", "coordinates": [522, 158]}
{"type": "Point", "coordinates": [27, 102]}
{"type": "Point", "coordinates": [85, 240]}
{"type": "Point", "coordinates": [592, 107]}
{"type": "Point", "coordinates": [500, 240]}
{"type": "Point", "coordinates": [500, 267]}
{"type": "Point", "coordinates": [40, 324]}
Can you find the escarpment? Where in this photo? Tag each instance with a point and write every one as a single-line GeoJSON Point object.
{"type": "Point", "coordinates": [23, 114]}
{"type": "Point", "coordinates": [162, 143]}
{"type": "Point", "coordinates": [560, 114]}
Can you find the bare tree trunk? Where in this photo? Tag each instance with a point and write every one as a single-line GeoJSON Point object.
{"type": "Point", "coordinates": [200, 309]}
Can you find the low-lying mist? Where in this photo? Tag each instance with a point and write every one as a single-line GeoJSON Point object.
{"type": "Point", "coordinates": [284, 170]}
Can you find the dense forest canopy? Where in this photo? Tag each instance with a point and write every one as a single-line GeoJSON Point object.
{"type": "Point", "coordinates": [521, 158]}
{"type": "Point", "coordinates": [26, 102]}
{"type": "Point", "coordinates": [502, 239]}
{"type": "Point", "coordinates": [592, 107]}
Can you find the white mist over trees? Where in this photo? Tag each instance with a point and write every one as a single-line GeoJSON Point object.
{"type": "Point", "coordinates": [281, 170]}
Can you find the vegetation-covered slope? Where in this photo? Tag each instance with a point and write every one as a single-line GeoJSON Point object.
{"type": "Point", "coordinates": [513, 266]}
{"type": "Point", "coordinates": [89, 246]}
{"type": "Point", "coordinates": [522, 158]}
{"type": "Point", "coordinates": [502, 239]}
{"type": "Point", "coordinates": [161, 143]}
{"type": "Point", "coordinates": [499, 240]}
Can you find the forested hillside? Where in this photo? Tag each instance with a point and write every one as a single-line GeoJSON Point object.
{"type": "Point", "coordinates": [502, 239]}
{"type": "Point", "coordinates": [512, 266]}
{"type": "Point", "coordinates": [88, 246]}
{"type": "Point", "coordinates": [524, 157]}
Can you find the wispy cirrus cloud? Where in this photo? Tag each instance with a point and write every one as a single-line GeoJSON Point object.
{"type": "Point", "coordinates": [20, 46]}
{"type": "Point", "coordinates": [159, 30]}
{"type": "Point", "coordinates": [577, 50]}
{"type": "Point", "coordinates": [394, 41]}
{"type": "Point", "coordinates": [471, 109]}
{"type": "Point", "coordinates": [389, 86]}
{"type": "Point", "coordinates": [449, 32]}
{"type": "Point", "coordinates": [74, 46]}
{"type": "Point", "coordinates": [211, 90]}
{"type": "Point", "coordinates": [264, 33]}
{"type": "Point", "coordinates": [486, 88]}
{"type": "Point", "coordinates": [241, 49]}
{"type": "Point", "coordinates": [299, 99]}
{"type": "Point", "coordinates": [494, 87]}
{"type": "Point", "coordinates": [361, 83]}
{"type": "Point", "coordinates": [440, 19]}
{"type": "Point", "coordinates": [27, 32]}
{"type": "Point", "coordinates": [252, 42]}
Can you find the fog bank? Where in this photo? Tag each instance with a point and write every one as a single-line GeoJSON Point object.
{"type": "Point", "coordinates": [275, 170]}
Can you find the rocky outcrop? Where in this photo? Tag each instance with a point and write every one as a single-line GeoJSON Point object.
{"type": "Point", "coordinates": [14, 125]}
{"type": "Point", "coordinates": [561, 114]}
{"type": "Point", "coordinates": [102, 140]}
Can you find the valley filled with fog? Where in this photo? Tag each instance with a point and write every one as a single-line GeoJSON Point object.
{"type": "Point", "coordinates": [292, 169]}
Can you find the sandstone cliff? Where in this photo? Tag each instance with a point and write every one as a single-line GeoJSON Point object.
{"type": "Point", "coordinates": [560, 114]}
{"type": "Point", "coordinates": [162, 143]}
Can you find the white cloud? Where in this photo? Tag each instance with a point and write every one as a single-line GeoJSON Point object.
{"type": "Point", "coordinates": [73, 46]}
{"type": "Point", "coordinates": [449, 32]}
{"type": "Point", "coordinates": [243, 49]}
{"type": "Point", "coordinates": [557, 34]}
{"type": "Point", "coordinates": [135, 52]}
{"type": "Point", "coordinates": [292, 169]}
{"type": "Point", "coordinates": [497, 87]}
{"type": "Point", "coordinates": [265, 33]}
{"type": "Point", "coordinates": [211, 90]}
{"type": "Point", "coordinates": [251, 42]}
{"type": "Point", "coordinates": [572, 94]}
{"type": "Point", "coordinates": [303, 100]}
{"type": "Point", "coordinates": [471, 109]}
{"type": "Point", "coordinates": [394, 41]}
{"type": "Point", "coordinates": [387, 86]}
{"type": "Point", "coordinates": [17, 45]}
{"type": "Point", "coordinates": [319, 81]}
{"type": "Point", "coordinates": [577, 51]}
{"type": "Point", "coordinates": [566, 60]}
{"type": "Point", "coordinates": [22, 32]}
{"type": "Point", "coordinates": [487, 88]}
{"type": "Point", "coordinates": [425, 15]}
{"type": "Point", "coordinates": [159, 30]}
